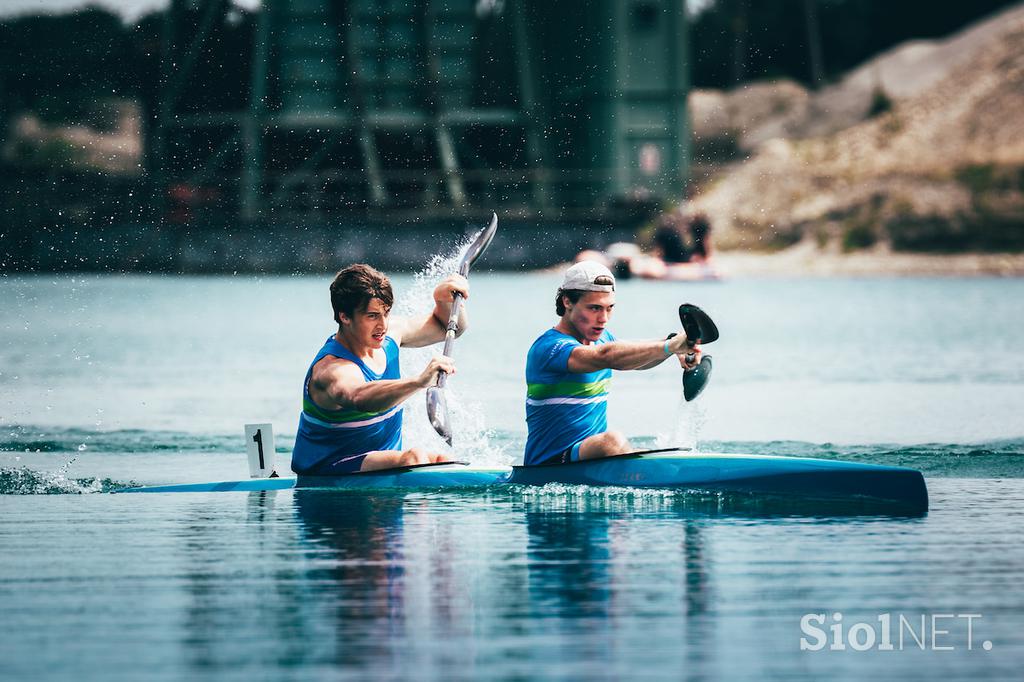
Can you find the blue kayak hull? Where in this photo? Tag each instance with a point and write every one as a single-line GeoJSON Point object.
{"type": "Point", "coordinates": [785, 476]}
{"type": "Point", "coordinates": [247, 485]}
{"type": "Point", "coordinates": [795, 477]}
{"type": "Point", "coordinates": [434, 476]}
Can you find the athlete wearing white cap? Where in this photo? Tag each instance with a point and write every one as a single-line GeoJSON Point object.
{"type": "Point", "coordinates": [569, 369]}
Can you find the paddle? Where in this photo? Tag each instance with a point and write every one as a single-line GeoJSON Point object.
{"type": "Point", "coordinates": [437, 407]}
{"type": "Point", "coordinates": [699, 328]}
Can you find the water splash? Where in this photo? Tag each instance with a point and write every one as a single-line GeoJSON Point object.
{"type": "Point", "coordinates": [572, 495]}
{"type": "Point", "coordinates": [566, 501]}
{"type": "Point", "coordinates": [561, 498]}
{"type": "Point", "coordinates": [472, 440]}
{"type": "Point", "coordinates": [687, 425]}
{"type": "Point", "coordinates": [25, 481]}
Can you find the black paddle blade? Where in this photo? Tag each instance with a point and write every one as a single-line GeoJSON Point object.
{"type": "Point", "coordinates": [694, 380]}
{"type": "Point", "coordinates": [697, 325]}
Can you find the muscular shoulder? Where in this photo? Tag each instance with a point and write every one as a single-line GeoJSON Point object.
{"type": "Point", "coordinates": [550, 352]}
{"type": "Point", "coordinates": [331, 369]}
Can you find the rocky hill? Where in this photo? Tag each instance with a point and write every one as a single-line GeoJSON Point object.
{"type": "Point", "coordinates": [920, 149]}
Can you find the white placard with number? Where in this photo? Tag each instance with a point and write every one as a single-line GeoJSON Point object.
{"type": "Point", "coordinates": [259, 445]}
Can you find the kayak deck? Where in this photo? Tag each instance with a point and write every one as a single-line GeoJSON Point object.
{"type": "Point", "coordinates": [247, 485]}
{"type": "Point", "coordinates": [445, 475]}
{"type": "Point", "coordinates": [422, 476]}
{"type": "Point", "coordinates": [758, 474]}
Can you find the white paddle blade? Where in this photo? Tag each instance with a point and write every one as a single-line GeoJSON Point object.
{"type": "Point", "coordinates": [259, 446]}
{"type": "Point", "coordinates": [437, 413]}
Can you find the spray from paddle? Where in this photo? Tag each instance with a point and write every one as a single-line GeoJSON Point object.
{"type": "Point", "coordinates": [474, 441]}
{"type": "Point", "coordinates": [437, 404]}
{"type": "Point", "coordinates": [699, 327]}
{"type": "Point", "coordinates": [687, 424]}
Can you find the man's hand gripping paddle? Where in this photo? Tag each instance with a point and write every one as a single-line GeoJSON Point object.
{"type": "Point", "coordinates": [437, 407]}
{"type": "Point", "coordinates": [701, 329]}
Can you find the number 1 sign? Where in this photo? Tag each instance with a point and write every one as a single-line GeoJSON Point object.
{"type": "Point", "coordinates": [259, 446]}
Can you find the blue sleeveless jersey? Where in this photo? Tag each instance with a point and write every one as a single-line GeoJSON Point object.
{"type": "Point", "coordinates": [562, 408]}
{"type": "Point", "coordinates": [331, 435]}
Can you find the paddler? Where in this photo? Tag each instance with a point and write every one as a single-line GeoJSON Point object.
{"type": "Point", "coordinates": [353, 392]}
{"type": "Point", "coordinates": [569, 369]}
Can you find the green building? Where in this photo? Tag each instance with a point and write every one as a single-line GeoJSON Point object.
{"type": "Point", "coordinates": [537, 108]}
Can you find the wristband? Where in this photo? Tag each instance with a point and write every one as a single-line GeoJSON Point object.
{"type": "Point", "coordinates": [667, 339]}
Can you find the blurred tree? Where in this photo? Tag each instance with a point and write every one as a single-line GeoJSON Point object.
{"type": "Point", "coordinates": [57, 66]}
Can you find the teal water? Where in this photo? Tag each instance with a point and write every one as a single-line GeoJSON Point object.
{"type": "Point", "coordinates": [107, 382]}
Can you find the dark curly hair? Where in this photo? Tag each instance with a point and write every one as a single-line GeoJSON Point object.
{"type": "Point", "coordinates": [574, 296]}
{"type": "Point", "coordinates": [354, 287]}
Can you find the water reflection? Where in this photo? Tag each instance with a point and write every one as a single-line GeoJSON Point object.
{"type": "Point", "coordinates": [581, 581]}
{"type": "Point", "coordinates": [360, 581]}
{"type": "Point", "coordinates": [611, 575]}
{"type": "Point", "coordinates": [568, 560]}
{"type": "Point", "coordinates": [234, 585]}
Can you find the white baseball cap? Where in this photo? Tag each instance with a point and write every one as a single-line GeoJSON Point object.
{"type": "Point", "coordinates": [588, 275]}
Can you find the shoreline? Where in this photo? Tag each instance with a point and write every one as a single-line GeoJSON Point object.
{"type": "Point", "coordinates": [806, 260]}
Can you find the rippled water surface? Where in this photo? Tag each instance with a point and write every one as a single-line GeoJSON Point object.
{"type": "Point", "coordinates": [107, 382]}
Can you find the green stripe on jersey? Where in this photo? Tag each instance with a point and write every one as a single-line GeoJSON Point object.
{"type": "Point", "coordinates": [567, 389]}
{"type": "Point", "coordinates": [336, 416]}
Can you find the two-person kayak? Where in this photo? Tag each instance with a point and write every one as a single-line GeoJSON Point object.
{"type": "Point", "coordinates": [790, 477]}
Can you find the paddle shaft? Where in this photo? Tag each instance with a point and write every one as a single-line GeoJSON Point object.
{"type": "Point", "coordinates": [437, 408]}
{"type": "Point", "coordinates": [449, 336]}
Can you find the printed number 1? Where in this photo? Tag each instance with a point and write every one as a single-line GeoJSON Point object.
{"type": "Point", "coordinates": [258, 439]}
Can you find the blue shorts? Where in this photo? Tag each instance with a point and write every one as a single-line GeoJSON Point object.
{"type": "Point", "coordinates": [349, 464]}
{"type": "Point", "coordinates": [570, 454]}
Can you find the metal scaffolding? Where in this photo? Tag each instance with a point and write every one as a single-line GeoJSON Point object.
{"type": "Point", "coordinates": [446, 107]}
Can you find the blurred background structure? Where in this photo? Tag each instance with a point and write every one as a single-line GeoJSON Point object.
{"type": "Point", "coordinates": [443, 108]}
{"type": "Point", "coordinates": [203, 122]}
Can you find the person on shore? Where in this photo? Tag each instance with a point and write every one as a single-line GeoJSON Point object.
{"type": "Point", "coordinates": [352, 396]}
{"type": "Point", "coordinates": [669, 244]}
{"type": "Point", "coordinates": [681, 251]}
{"type": "Point", "coordinates": [569, 369]}
{"type": "Point", "coordinates": [700, 229]}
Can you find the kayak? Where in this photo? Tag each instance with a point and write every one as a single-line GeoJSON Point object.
{"type": "Point", "coordinates": [444, 475]}
{"type": "Point", "coordinates": [791, 477]}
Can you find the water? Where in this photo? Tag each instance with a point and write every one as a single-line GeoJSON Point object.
{"type": "Point", "coordinates": [112, 381]}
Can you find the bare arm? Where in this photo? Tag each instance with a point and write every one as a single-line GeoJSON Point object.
{"type": "Point", "coordinates": [654, 363]}
{"type": "Point", "coordinates": [663, 358]}
{"type": "Point", "coordinates": [340, 383]}
{"type": "Point", "coordinates": [424, 331]}
{"type": "Point", "coordinates": [626, 355]}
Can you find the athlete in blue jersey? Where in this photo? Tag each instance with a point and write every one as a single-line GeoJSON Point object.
{"type": "Point", "coordinates": [351, 416]}
{"type": "Point", "coordinates": [569, 370]}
